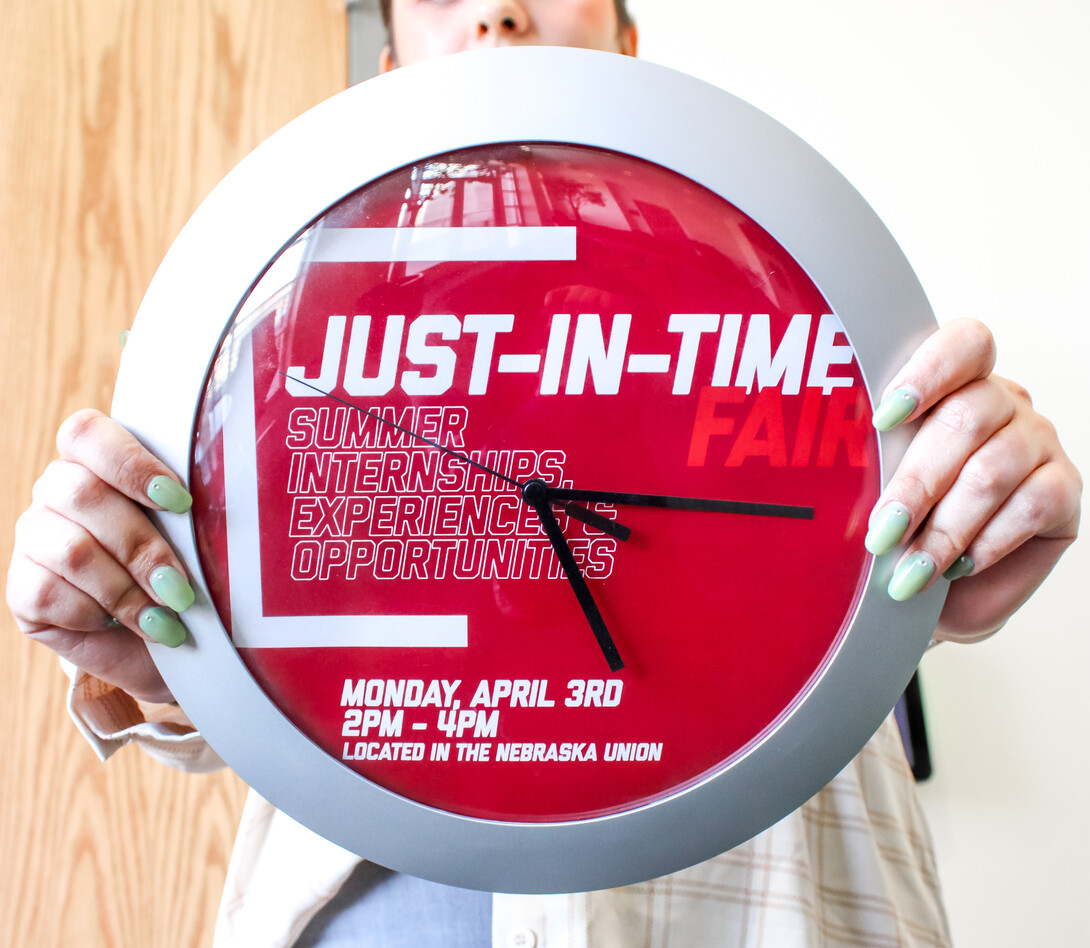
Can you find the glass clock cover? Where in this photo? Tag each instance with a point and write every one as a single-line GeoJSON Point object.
{"type": "Point", "coordinates": [477, 320]}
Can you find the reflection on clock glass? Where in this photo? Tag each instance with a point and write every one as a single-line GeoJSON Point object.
{"type": "Point", "coordinates": [685, 406]}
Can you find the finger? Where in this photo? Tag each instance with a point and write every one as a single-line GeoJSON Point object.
{"type": "Point", "coordinates": [950, 436]}
{"type": "Point", "coordinates": [53, 612]}
{"type": "Point", "coordinates": [97, 516]}
{"type": "Point", "coordinates": [40, 599]}
{"type": "Point", "coordinates": [1006, 555]}
{"type": "Point", "coordinates": [958, 353]}
{"type": "Point", "coordinates": [991, 478]}
{"type": "Point", "coordinates": [72, 562]}
{"type": "Point", "coordinates": [1045, 505]}
{"type": "Point", "coordinates": [979, 605]}
{"type": "Point", "coordinates": [950, 550]}
{"type": "Point", "coordinates": [110, 652]}
{"type": "Point", "coordinates": [106, 449]}
{"type": "Point", "coordinates": [67, 551]}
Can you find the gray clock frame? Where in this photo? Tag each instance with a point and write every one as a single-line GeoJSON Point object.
{"type": "Point", "coordinates": [538, 94]}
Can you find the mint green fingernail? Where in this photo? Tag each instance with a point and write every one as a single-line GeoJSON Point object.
{"type": "Point", "coordinates": [123, 338]}
{"type": "Point", "coordinates": [911, 576]}
{"type": "Point", "coordinates": [172, 587]}
{"type": "Point", "coordinates": [169, 494]}
{"type": "Point", "coordinates": [163, 626]}
{"type": "Point", "coordinates": [887, 528]}
{"type": "Point", "coordinates": [962, 566]}
{"type": "Point", "coordinates": [895, 408]}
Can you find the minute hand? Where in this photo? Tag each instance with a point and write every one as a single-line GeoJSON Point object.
{"type": "Point", "coordinates": [704, 504]}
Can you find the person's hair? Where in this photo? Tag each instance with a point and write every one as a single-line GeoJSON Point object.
{"type": "Point", "coordinates": [624, 18]}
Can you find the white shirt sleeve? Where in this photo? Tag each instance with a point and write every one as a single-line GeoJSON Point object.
{"type": "Point", "coordinates": [109, 719]}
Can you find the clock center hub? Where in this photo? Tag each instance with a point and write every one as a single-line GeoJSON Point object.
{"type": "Point", "coordinates": [534, 492]}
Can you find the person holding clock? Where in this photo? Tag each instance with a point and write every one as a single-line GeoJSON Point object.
{"type": "Point", "coordinates": [984, 495]}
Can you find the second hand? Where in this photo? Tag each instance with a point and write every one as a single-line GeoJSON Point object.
{"type": "Point", "coordinates": [412, 434]}
{"type": "Point", "coordinates": [574, 510]}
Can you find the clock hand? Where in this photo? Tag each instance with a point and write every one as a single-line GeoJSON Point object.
{"type": "Point", "coordinates": [577, 511]}
{"type": "Point", "coordinates": [404, 430]}
{"type": "Point", "coordinates": [707, 505]}
{"type": "Point", "coordinates": [593, 519]}
{"type": "Point", "coordinates": [534, 495]}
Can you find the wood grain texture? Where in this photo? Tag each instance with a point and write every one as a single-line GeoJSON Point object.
{"type": "Point", "coordinates": [117, 117]}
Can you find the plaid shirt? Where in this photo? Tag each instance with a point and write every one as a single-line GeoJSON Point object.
{"type": "Point", "coordinates": [854, 866]}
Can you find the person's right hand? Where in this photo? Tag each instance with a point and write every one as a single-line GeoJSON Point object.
{"type": "Point", "coordinates": [90, 576]}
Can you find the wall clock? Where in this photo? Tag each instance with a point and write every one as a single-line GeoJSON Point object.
{"type": "Point", "coordinates": [525, 398]}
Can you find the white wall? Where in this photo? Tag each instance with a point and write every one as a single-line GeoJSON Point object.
{"type": "Point", "coordinates": [966, 125]}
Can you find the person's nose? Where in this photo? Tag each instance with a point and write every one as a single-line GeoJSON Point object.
{"type": "Point", "coordinates": [499, 21]}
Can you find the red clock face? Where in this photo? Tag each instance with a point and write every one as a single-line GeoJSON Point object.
{"type": "Point", "coordinates": [540, 313]}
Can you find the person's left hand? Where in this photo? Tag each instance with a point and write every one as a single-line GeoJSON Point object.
{"type": "Point", "coordinates": [985, 492]}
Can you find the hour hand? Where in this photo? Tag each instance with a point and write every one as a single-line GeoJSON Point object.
{"type": "Point", "coordinates": [536, 499]}
{"type": "Point", "coordinates": [596, 520]}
